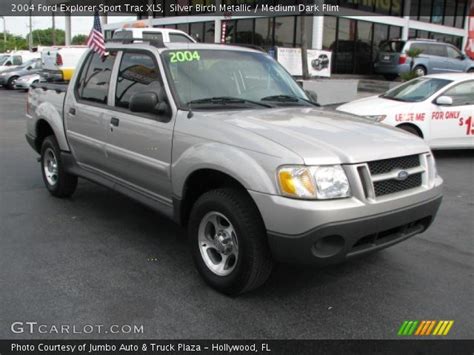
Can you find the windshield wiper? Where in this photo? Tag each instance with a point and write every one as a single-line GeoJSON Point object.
{"type": "Point", "coordinates": [223, 100]}
{"type": "Point", "coordinates": [287, 98]}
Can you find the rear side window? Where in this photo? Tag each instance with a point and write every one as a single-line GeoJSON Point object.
{"type": "Point", "coordinates": [138, 73]}
{"type": "Point", "coordinates": [153, 36]}
{"type": "Point", "coordinates": [453, 53]}
{"type": "Point", "coordinates": [423, 47]}
{"type": "Point", "coordinates": [438, 50]}
{"type": "Point", "coordinates": [93, 84]}
{"type": "Point", "coordinates": [17, 60]}
{"type": "Point", "coordinates": [176, 37]}
{"type": "Point", "coordinates": [392, 46]}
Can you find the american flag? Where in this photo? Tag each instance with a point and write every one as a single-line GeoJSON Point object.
{"type": "Point", "coordinates": [96, 38]}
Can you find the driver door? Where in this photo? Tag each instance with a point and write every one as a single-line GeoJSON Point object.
{"type": "Point", "coordinates": [139, 144]}
{"type": "Point", "coordinates": [453, 125]}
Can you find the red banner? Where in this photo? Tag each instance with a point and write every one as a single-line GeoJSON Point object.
{"type": "Point", "coordinates": [470, 32]}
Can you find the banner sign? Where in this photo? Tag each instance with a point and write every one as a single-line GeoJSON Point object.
{"type": "Point", "coordinates": [470, 32]}
{"type": "Point", "coordinates": [319, 61]}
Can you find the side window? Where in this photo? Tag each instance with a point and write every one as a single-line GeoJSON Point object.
{"type": "Point", "coordinates": [17, 60]}
{"type": "Point", "coordinates": [93, 85]}
{"type": "Point", "coordinates": [462, 94]}
{"type": "Point", "coordinates": [138, 73]}
{"type": "Point", "coordinates": [421, 46]}
{"type": "Point", "coordinates": [176, 37]}
{"type": "Point", "coordinates": [152, 36]}
{"type": "Point", "coordinates": [453, 53]}
{"type": "Point", "coordinates": [438, 50]}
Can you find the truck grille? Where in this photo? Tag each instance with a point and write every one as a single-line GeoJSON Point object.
{"type": "Point", "coordinates": [387, 165]}
{"type": "Point", "coordinates": [378, 176]}
{"type": "Point", "coordinates": [386, 187]}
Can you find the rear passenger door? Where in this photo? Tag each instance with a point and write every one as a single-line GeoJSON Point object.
{"type": "Point", "coordinates": [139, 144]}
{"type": "Point", "coordinates": [86, 112]}
{"type": "Point", "coordinates": [438, 58]}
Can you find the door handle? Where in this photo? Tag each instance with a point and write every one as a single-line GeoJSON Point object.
{"type": "Point", "coordinates": [114, 121]}
{"type": "Point", "coordinates": [72, 111]}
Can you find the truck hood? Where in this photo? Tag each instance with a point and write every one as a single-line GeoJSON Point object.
{"type": "Point", "coordinates": [322, 136]}
{"type": "Point", "coordinates": [373, 105]}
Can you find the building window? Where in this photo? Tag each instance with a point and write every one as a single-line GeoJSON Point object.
{"type": "Point", "coordinates": [244, 31]}
{"type": "Point", "coordinates": [197, 31]}
{"type": "Point", "coordinates": [209, 30]}
{"type": "Point", "coordinates": [309, 30]}
{"type": "Point", "coordinates": [285, 31]}
{"type": "Point", "coordinates": [263, 36]}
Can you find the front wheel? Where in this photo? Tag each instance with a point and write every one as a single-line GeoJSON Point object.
{"type": "Point", "coordinates": [228, 241]}
{"type": "Point", "coordinates": [11, 83]}
{"type": "Point", "coordinates": [58, 182]}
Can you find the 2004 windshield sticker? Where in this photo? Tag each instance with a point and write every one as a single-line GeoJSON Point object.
{"type": "Point", "coordinates": [184, 56]}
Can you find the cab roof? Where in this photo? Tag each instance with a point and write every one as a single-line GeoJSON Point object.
{"type": "Point", "coordinates": [179, 46]}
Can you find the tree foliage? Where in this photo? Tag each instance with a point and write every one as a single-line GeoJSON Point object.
{"type": "Point", "coordinates": [79, 39]}
{"type": "Point", "coordinates": [45, 37]}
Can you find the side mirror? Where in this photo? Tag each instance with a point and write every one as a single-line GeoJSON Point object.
{"type": "Point", "coordinates": [149, 102]}
{"type": "Point", "coordinates": [29, 68]}
{"type": "Point", "coordinates": [143, 102]}
{"type": "Point", "coordinates": [312, 95]}
{"type": "Point", "coordinates": [462, 57]}
{"type": "Point", "coordinates": [444, 101]}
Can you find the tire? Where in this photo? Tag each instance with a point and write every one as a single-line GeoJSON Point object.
{"type": "Point", "coordinates": [410, 129]}
{"type": "Point", "coordinates": [58, 182]}
{"type": "Point", "coordinates": [11, 82]}
{"type": "Point", "coordinates": [390, 77]}
{"type": "Point", "coordinates": [420, 70]}
{"type": "Point", "coordinates": [226, 223]}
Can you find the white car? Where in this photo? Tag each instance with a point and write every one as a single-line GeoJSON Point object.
{"type": "Point", "coordinates": [438, 108]}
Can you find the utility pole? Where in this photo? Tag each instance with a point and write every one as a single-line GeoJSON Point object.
{"type": "Point", "coordinates": [53, 35]}
{"type": "Point", "coordinates": [4, 34]}
{"type": "Point", "coordinates": [30, 37]}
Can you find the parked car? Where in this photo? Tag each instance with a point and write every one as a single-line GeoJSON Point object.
{"type": "Point", "coordinates": [438, 108]}
{"type": "Point", "coordinates": [8, 77]}
{"type": "Point", "coordinates": [15, 59]}
{"type": "Point", "coordinates": [59, 63]}
{"type": "Point", "coordinates": [254, 169]}
{"type": "Point", "coordinates": [436, 57]}
{"type": "Point", "coordinates": [24, 82]}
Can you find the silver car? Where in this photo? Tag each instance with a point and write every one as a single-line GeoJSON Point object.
{"type": "Point", "coordinates": [9, 76]}
{"type": "Point", "coordinates": [24, 82]}
{"type": "Point", "coordinates": [436, 57]}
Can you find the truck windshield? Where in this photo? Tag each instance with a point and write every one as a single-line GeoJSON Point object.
{"type": "Point", "coordinates": [416, 90]}
{"type": "Point", "coordinates": [208, 78]}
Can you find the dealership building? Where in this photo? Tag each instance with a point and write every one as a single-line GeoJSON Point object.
{"type": "Point", "coordinates": [353, 39]}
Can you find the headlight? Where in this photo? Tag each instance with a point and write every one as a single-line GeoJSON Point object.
{"type": "Point", "coordinates": [377, 118]}
{"type": "Point", "coordinates": [313, 182]}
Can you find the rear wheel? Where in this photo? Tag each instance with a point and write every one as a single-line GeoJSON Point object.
{"type": "Point", "coordinates": [228, 241]}
{"type": "Point", "coordinates": [420, 70]}
{"type": "Point", "coordinates": [411, 129]}
{"type": "Point", "coordinates": [58, 182]}
{"type": "Point", "coordinates": [11, 82]}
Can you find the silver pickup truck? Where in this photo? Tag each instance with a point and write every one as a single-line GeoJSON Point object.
{"type": "Point", "coordinates": [224, 141]}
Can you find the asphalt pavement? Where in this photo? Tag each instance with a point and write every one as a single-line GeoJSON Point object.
{"type": "Point", "coordinates": [100, 258]}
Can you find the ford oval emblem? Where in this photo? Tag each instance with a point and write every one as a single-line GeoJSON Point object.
{"type": "Point", "coordinates": [402, 175]}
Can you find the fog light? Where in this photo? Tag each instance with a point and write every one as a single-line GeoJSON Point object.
{"type": "Point", "coordinates": [328, 246]}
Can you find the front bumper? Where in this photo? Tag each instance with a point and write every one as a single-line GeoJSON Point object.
{"type": "Point", "coordinates": [381, 68]}
{"type": "Point", "coordinates": [21, 85]}
{"type": "Point", "coordinates": [338, 241]}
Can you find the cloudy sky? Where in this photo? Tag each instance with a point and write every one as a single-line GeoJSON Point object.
{"type": "Point", "coordinates": [80, 24]}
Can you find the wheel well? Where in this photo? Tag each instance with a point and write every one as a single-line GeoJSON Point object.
{"type": "Point", "coordinates": [415, 127]}
{"type": "Point", "coordinates": [200, 182]}
{"type": "Point", "coordinates": [43, 130]}
{"type": "Point", "coordinates": [421, 65]}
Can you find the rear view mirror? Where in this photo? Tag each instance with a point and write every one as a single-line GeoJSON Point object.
{"type": "Point", "coordinates": [444, 101]}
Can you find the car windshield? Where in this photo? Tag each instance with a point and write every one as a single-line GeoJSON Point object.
{"type": "Point", "coordinates": [392, 46]}
{"type": "Point", "coordinates": [416, 90]}
{"type": "Point", "coordinates": [211, 78]}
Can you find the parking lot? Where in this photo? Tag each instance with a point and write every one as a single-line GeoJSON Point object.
{"type": "Point", "coordinates": [100, 258]}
